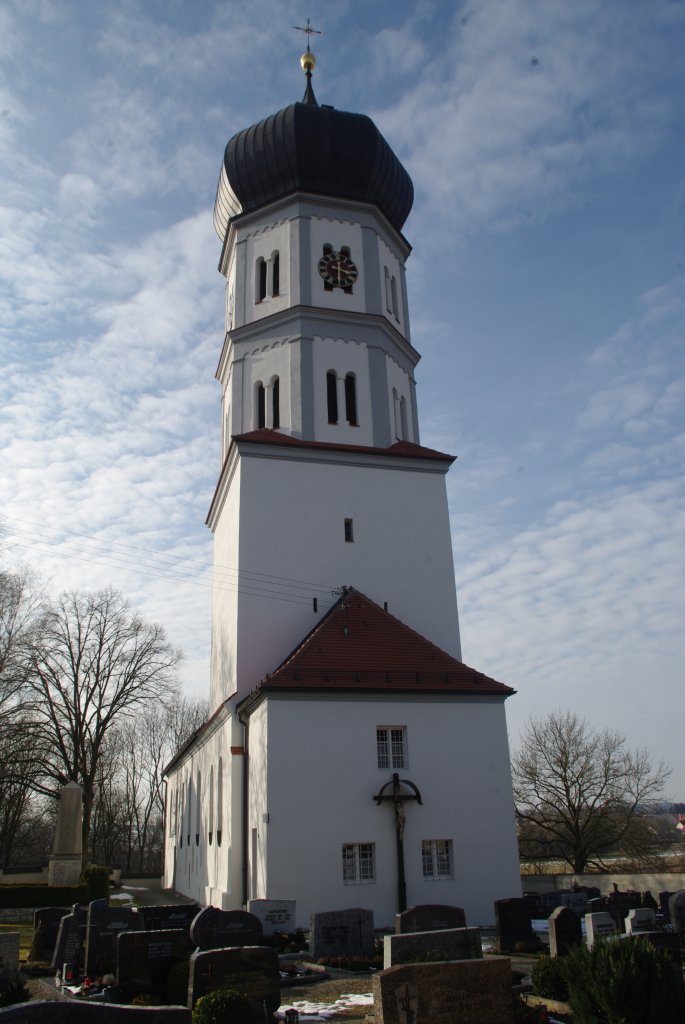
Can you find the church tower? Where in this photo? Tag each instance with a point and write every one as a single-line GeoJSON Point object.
{"type": "Point", "coordinates": [335, 640]}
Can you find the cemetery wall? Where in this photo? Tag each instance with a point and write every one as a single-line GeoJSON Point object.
{"type": "Point", "coordinates": [605, 882]}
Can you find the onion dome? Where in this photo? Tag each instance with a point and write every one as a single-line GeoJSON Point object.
{"type": "Point", "coordinates": [315, 149]}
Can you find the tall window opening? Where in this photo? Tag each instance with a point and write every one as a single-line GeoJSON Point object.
{"type": "Point", "coordinates": [358, 860]}
{"type": "Point", "coordinates": [332, 396]}
{"type": "Point", "coordinates": [260, 406]}
{"type": "Point", "coordinates": [211, 804]}
{"type": "Point", "coordinates": [260, 279]}
{"type": "Point", "coordinates": [436, 858]}
{"type": "Point", "coordinates": [396, 414]}
{"type": "Point", "coordinates": [276, 272]}
{"type": "Point", "coordinates": [327, 250]}
{"type": "Point", "coordinates": [351, 399]}
{"type": "Point", "coordinates": [345, 251]}
{"type": "Point", "coordinates": [276, 403]}
{"type": "Point", "coordinates": [391, 744]}
{"type": "Point", "coordinates": [349, 531]}
{"type": "Point", "coordinates": [198, 809]}
{"type": "Point", "coordinates": [403, 418]}
{"type": "Point", "coordinates": [393, 289]}
{"type": "Point", "coordinates": [388, 294]}
{"type": "Point", "coordinates": [219, 801]}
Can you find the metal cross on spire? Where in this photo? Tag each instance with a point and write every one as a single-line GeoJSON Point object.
{"type": "Point", "coordinates": [309, 31]}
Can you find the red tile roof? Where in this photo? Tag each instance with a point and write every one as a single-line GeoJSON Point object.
{"type": "Point", "coordinates": [358, 646]}
{"type": "Point", "coordinates": [402, 449]}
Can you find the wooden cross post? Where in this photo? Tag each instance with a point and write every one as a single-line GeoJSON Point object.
{"type": "Point", "coordinates": [399, 799]}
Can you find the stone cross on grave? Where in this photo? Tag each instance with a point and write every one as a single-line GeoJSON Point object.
{"type": "Point", "coordinates": [398, 798]}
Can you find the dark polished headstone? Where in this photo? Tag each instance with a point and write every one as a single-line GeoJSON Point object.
{"type": "Point", "coordinates": [429, 917]}
{"type": "Point", "coordinates": [461, 992]}
{"type": "Point", "coordinates": [565, 931]}
{"type": "Point", "coordinates": [676, 910]}
{"type": "Point", "coordinates": [252, 970]}
{"type": "Point", "coordinates": [46, 923]}
{"type": "Point", "coordinates": [71, 938]}
{"type": "Point", "coordinates": [144, 959]}
{"type": "Point", "coordinates": [103, 925]}
{"type": "Point", "coordinates": [649, 901]}
{"type": "Point", "coordinates": [514, 927]}
{"type": "Point", "coordinates": [664, 897]}
{"type": "Point", "coordinates": [169, 915]}
{"type": "Point", "coordinates": [218, 929]}
{"type": "Point", "coordinates": [341, 933]}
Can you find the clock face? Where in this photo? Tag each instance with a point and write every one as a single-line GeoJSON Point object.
{"type": "Point", "coordinates": [338, 270]}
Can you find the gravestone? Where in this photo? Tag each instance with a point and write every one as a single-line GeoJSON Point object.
{"type": "Point", "coordinates": [461, 992]}
{"type": "Point", "coordinates": [669, 942]}
{"type": "Point", "coordinates": [664, 897]}
{"type": "Point", "coordinates": [144, 959]}
{"type": "Point", "coordinates": [599, 926]}
{"type": "Point", "coordinates": [275, 915]}
{"type": "Point", "coordinates": [65, 864]}
{"type": "Point", "coordinates": [103, 924]}
{"type": "Point", "coordinates": [9, 955]}
{"type": "Point", "coordinates": [549, 901]}
{"type": "Point", "coordinates": [218, 929]}
{"type": "Point", "coordinates": [169, 915]}
{"type": "Point", "coordinates": [565, 931]}
{"type": "Point", "coordinates": [641, 919]}
{"type": "Point", "coordinates": [71, 939]}
{"type": "Point", "coordinates": [596, 905]}
{"type": "Point", "coordinates": [341, 933]}
{"type": "Point", "coordinates": [649, 901]}
{"type": "Point", "coordinates": [676, 910]}
{"type": "Point", "coordinates": [514, 928]}
{"type": "Point", "coordinates": [576, 901]}
{"type": "Point", "coordinates": [46, 922]}
{"type": "Point", "coordinates": [429, 917]}
{"type": "Point", "coordinates": [252, 970]}
{"type": "Point", "coordinates": [448, 944]}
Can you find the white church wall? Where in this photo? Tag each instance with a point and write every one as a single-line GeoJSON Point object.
{"type": "Point", "coordinates": [401, 548]}
{"type": "Point", "coordinates": [261, 242]}
{"type": "Point", "coordinates": [458, 758]}
{"type": "Point", "coordinates": [223, 679]}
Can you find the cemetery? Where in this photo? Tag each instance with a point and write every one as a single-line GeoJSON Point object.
{"type": "Point", "coordinates": [167, 962]}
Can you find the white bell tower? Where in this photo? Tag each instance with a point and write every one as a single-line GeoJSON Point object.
{"type": "Point", "coordinates": [323, 479]}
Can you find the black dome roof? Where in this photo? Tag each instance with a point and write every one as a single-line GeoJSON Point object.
{"type": "Point", "coordinates": [308, 148]}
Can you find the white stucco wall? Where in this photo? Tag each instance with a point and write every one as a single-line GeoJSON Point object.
{"type": "Point", "coordinates": [291, 516]}
{"type": "Point", "coordinates": [321, 777]}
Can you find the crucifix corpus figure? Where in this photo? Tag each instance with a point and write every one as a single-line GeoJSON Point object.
{"type": "Point", "coordinates": [398, 799]}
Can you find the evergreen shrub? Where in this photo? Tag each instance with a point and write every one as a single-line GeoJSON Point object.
{"type": "Point", "coordinates": [548, 975]}
{"type": "Point", "coordinates": [223, 1006]}
{"type": "Point", "coordinates": [95, 879]}
{"type": "Point", "coordinates": [624, 981]}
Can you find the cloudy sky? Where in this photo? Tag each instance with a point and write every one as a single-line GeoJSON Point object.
{"type": "Point", "coordinates": [545, 140]}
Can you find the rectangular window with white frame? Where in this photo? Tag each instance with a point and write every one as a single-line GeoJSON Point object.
{"type": "Point", "coordinates": [359, 863]}
{"type": "Point", "coordinates": [391, 746]}
{"type": "Point", "coordinates": [436, 857]}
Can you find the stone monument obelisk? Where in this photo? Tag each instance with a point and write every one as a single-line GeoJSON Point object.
{"type": "Point", "coordinates": [65, 863]}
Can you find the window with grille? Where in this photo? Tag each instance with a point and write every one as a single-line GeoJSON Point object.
{"type": "Point", "coordinates": [391, 744]}
{"type": "Point", "coordinates": [436, 857]}
{"type": "Point", "coordinates": [359, 863]}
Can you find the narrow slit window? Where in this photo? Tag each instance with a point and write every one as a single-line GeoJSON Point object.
{"type": "Point", "coordinates": [388, 295]}
{"type": "Point", "coordinates": [327, 250]}
{"type": "Point", "coordinates": [276, 282]}
{"type": "Point", "coordinates": [260, 279]}
{"type": "Point", "coordinates": [261, 406]}
{"type": "Point", "coordinates": [351, 399]}
{"type": "Point", "coordinates": [349, 534]}
{"type": "Point", "coordinates": [393, 288]}
{"type": "Point", "coordinates": [276, 403]}
{"type": "Point", "coordinates": [332, 396]}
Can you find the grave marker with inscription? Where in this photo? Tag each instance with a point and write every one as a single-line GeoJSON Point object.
{"type": "Point", "coordinates": [461, 992]}
{"type": "Point", "coordinates": [514, 927]}
{"type": "Point", "coordinates": [599, 926]}
{"type": "Point", "coordinates": [168, 915]}
{"type": "Point", "coordinates": [449, 944]}
{"type": "Point", "coordinates": [252, 970]}
{"type": "Point", "coordinates": [218, 929]}
{"type": "Point", "coordinates": [103, 924]}
{"type": "Point", "coordinates": [641, 919]}
{"type": "Point", "coordinates": [275, 915]}
{"type": "Point", "coordinates": [341, 933]}
{"type": "Point", "coordinates": [429, 917]}
{"type": "Point", "coordinates": [71, 938]}
{"type": "Point", "coordinates": [46, 921]}
{"type": "Point", "coordinates": [144, 959]}
{"type": "Point", "coordinates": [9, 955]}
{"type": "Point", "coordinates": [676, 910]}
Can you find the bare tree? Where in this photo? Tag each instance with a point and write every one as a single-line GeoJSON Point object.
{"type": "Point", "coordinates": [97, 664]}
{"type": "Point", "coordinates": [581, 794]}
{"type": "Point", "coordinates": [19, 607]}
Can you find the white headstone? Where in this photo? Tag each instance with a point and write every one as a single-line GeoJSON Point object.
{"type": "Point", "coordinates": [65, 863]}
{"type": "Point", "coordinates": [598, 926]}
{"type": "Point", "coordinates": [275, 915]}
{"type": "Point", "coordinates": [641, 919]}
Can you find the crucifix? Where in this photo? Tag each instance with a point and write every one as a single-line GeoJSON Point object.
{"type": "Point", "coordinates": [399, 799]}
{"type": "Point", "coordinates": [309, 31]}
